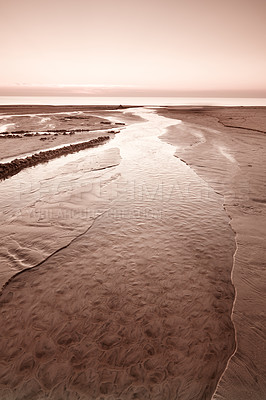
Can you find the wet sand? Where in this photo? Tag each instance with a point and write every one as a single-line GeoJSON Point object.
{"type": "Point", "coordinates": [135, 301]}
{"type": "Point", "coordinates": [226, 147]}
{"type": "Point", "coordinates": [21, 216]}
{"type": "Point", "coordinates": [25, 129]}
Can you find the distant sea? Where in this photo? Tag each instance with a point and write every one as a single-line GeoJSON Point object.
{"type": "Point", "coordinates": [149, 101]}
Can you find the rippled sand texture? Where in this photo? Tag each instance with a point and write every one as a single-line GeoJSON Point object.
{"type": "Point", "coordinates": [232, 160]}
{"type": "Point", "coordinates": [138, 305]}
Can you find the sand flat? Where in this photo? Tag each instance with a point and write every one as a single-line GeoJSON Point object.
{"type": "Point", "coordinates": [26, 130]}
{"type": "Point", "coordinates": [226, 147]}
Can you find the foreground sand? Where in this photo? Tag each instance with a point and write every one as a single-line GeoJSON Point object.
{"type": "Point", "coordinates": [226, 147]}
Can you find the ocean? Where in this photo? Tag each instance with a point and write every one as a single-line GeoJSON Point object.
{"type": "Point", "coordinates": [149, 101]}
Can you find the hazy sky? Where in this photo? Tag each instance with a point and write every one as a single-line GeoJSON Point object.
{"type": "Point", "coordinates": [189, 45]}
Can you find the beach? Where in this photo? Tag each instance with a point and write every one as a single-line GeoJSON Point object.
{"type": "Point", "coordinates": [134, 268]}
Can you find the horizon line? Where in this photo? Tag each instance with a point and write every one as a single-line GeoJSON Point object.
{"type": "Point", "coordinates": [97, 90]}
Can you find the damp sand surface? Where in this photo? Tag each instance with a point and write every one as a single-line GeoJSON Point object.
{"type": "Point", "coordinates": [226, 146]}
{"type": "Point", "coordinates": [131, 293]}
{"type": "Point", "coordinates": [29, 129]}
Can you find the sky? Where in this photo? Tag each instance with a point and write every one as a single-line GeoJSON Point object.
{"type": "Point", "coordinates": [142, 47]}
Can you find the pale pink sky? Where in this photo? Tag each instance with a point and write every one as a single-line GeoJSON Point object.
{"type": "Point", "coordinates": [170, 45]}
